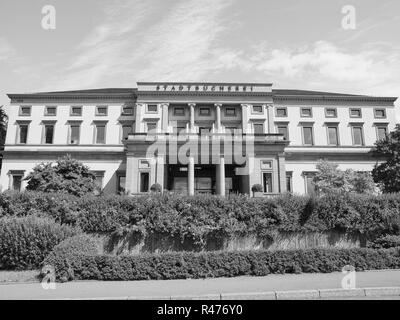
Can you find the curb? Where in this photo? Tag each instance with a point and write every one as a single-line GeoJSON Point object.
{"type": "Point", "coordinates": [273, 295]}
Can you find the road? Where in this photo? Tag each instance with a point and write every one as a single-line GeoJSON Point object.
{"type": "Point", "coordinates": [164, 289]}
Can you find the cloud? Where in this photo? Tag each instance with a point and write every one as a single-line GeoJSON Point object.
{"type": "Point", "coordinates": [141, 40]}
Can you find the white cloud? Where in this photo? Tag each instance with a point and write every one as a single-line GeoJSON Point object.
{"type": "Point", "coordinates": [137, 41]}
{"type": "Point", "coordinates": [183, 41]}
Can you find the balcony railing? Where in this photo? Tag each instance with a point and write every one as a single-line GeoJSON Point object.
{"type": "Point", "coordinates": [153, 136]}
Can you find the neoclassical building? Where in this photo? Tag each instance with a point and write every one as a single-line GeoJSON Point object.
{"type": "Point", "coordinates": [217, 138]}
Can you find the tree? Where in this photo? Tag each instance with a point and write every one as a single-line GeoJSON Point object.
{"type": "Point", "coordinates": [330, 179]}
{"type": "Point", "coordinates": [3, 130]}
{"type": "Point", "coordinates": [66, 175]}
{"type": "Point", "coordinates": [387, 174]}
{"type": "Point", "coordinates": [3, 126]}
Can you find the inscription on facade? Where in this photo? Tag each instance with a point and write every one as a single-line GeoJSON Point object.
{"type": "Point", "coordinates": [206, 88]}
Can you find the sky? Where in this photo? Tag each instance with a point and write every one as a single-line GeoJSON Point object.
{"type": "Point", "coordinates": [294, 44]}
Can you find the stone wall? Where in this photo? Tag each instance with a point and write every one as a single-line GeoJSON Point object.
{"type": "Point", "coordinates": [158, 243]}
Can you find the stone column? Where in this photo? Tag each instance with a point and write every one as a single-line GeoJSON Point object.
{"type": "Point", "coordinates": [191, 177]}
{"type": "Point", "coordinates": [165, 122]}
{"type": "Point", "coordinates": [160, 165]}
{"type": "Point", "coordinates": [138, 117]}
{"type": "Point", "coordinates": [245, 117]}
{"type": "Point", "coordinates": [282, 172]}
{"type": "Point", "coordinates": [191, 126]}
{"type": "Point", "coordinates": [130, 177]}
{"type": "Point", "coordinates": [221, 177]}
{"type": "Point", "coordinates": [218, 117]}
{"type": "Point", "coordinates": [270, 111]}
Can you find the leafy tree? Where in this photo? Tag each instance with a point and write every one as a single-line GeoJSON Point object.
{"type": "Point", "coordinates": [387, 174]}
{"type": "Point", "coordinates": [3, 126]}
{"type": "Point", "coordinates": [66, 175]}
{"type": "Point", "coordinates": [330, 179]}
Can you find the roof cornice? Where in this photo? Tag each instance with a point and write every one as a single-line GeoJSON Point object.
{"type": "Point", "coordinates": [333, 98]}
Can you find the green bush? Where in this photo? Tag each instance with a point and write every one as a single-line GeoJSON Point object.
{"type": "Point", "coordinates": [229, 264]}
{"type": "Point", "coordinates": [68, 253]}
{"type": "Point", "coordinates": [25, 242]}
{"type": "Point", "coordinates": [199, 218]}
{"type": "Point", "coordinates": [384, 242]}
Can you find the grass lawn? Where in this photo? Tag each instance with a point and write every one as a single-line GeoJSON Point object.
{"type": "Point", "coordinates": [18, 276]}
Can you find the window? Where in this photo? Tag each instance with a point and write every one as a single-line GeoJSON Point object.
{"type": "Point", "coordinates": [230, 112]}
{"type": "Point", "coordinates": [265, 164]}
{"type": "Point", "coordinates": [152, 108]}
{"type": "Point", "coordinates": [48, 133]}
{"type": "Point", "coordinates": [283, 129]}
{"type": "Point", "coordinates": [331, 112]}
{"type": "Point", "coordinates": [23, 133]}
{"type": "Point", "coordinates": [98, 181]}
{"type": "Point", "coordinates": [100, 133]}
{"type": "Point", "coordinates": [355, 113]}
{"type": "Point", "coordinates": [151, 127]}
{"type": "Point", "coordinates": [258, 128]}
{"type": "Point", "coordinates": [127, 110]}
{"type": "Point", "coordinates": [121, 183]}
{"type": "Point", "coordinates": [281, 112]}
{"type": "Point", "coordinates": [358, 138]}
{"type": "Point", "coordinates": [333, 139]}
{"type": "Point", "coordinates": [205, 111]}
{"type": "Point", "coordinates": [126, 130]}
{"type": "Point", "coordinates": [74, 134]}
{"type": "Point", "coordinates": [101, 111]}
{"type": "Point", "coordinates": [380, 113]}
{"type": "Point", "coordinates": [230, 129]}
{"type": "Point", "coordinates": [267, 182]}
{"type": "Point", "coordinates": [179, 111]}
{"type": "Point", "coordinates": [76, 111]}
{"type": "Point", "coordinates": [16, 181]}
{"type": "Point", "coordinates": [310, 186]}
{"type": "Point", "coordinates": [144, 164]}
{"type": "Point", "coordinates": [144, 182]}
{"type": "Point", "coordinates": [306, 112]}
{"type": "Point", "coordinates": [308, 136]}
{"type": "Point", "coordinates": [25, 111]}
{"type": "Point", "coordinates": [258, 109]}
{"type": "Point", "coordinates": [50, 111]}
{"type": "Point", "coordinates": [289, 185]}
{"type": "Point", "coordinates": [381, 132]}
{"type": "Point", "coordinates": [204, 130]}
{"type": "Point", "coordinates": [179, 129]}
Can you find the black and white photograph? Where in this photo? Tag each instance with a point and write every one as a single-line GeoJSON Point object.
{"type": "Point", "coordinates": [200, 154]}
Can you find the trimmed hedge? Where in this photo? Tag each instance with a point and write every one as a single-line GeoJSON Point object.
{"type": "Point", "coordinates": [198, 218]}
{"type": "Point", "coordinates": [68, 252]}
{"type": "Point", "coordinates": [387, 241]}
{"type": "Point", "coordinates": [25, 242]}
{"type": "Point", "coordinates": [230, 264]}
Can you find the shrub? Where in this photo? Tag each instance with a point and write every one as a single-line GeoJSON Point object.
{"type": "Point", "coordinates": [66, 175]}
{"type": "Point", "coordinates": [156, 188]}
{"type": "Point", "coordinates": [67, 254]}
{"type": "Point", "coordinates": [387, 241]}
{"type": "Point", "coordinates": [25, 242]}
{"type": "Point", "coordinates": [257, 188]}
{"type": "Point", "coordinates": [196, 219]}
{"type": "Point", "coordinates": [230, 264]}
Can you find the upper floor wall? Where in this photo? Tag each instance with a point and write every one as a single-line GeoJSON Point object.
{"type": "Point", "coordinates": [106, 117]}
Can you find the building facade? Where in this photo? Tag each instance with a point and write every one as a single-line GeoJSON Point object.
{"type": "Point", "coordinates": [217, 138]}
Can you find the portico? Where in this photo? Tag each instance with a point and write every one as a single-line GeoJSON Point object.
{"type": "Point", "coordinates": [204, 140]}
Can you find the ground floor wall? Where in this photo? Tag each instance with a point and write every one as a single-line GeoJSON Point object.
{"type": "Point", "coordinates": [301, 171]}
{"type": "Point", "coordinates": [108, 172]}
{"type": "Point", "coordinates": [124, 173]}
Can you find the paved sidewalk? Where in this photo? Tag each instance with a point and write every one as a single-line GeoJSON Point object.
{"type": "Point", "coordinates": [208, 287]}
